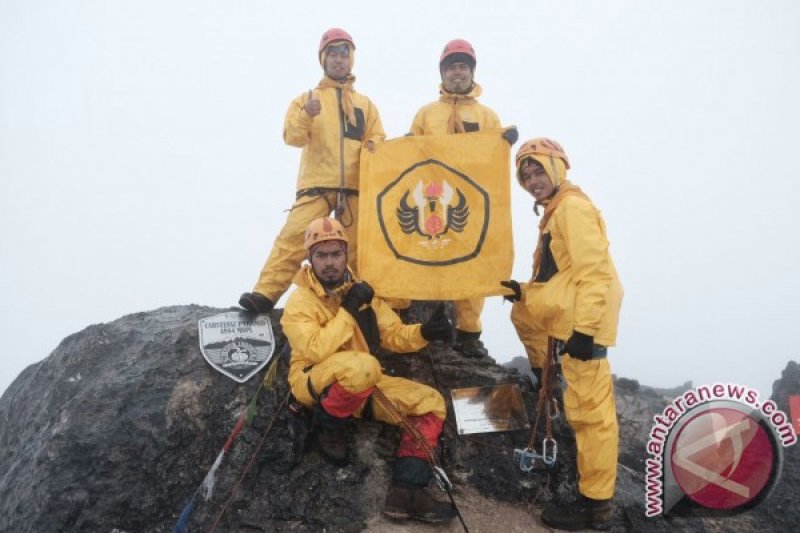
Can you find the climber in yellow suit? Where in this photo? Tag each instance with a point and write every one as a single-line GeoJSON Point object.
{"type": "Point", "coordinates": [331, 123]}
{"type": "Point", "coordinates": [335, 324]}
{"type": "Point", "coordinates": [458, 111]}
{"type": "Point", "coordinates": [574, 297]}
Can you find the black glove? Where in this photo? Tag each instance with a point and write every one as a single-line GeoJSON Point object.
{"type": "Point", "coordinates": [359, 294]}
{"type": "Point", "coordinates": [437, 327]}
{"type": "Point", "coordinates": [514, 286]}
{"type": "Point", "coordinates": [511, 135]}
{"type": "Point", "coordinates": [579, 346]}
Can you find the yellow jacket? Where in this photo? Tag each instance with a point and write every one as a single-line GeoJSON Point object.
{"type": "Point", "coordinates": [317, 327]}
{"type": "Point", "coordinates": [434, 118]}
{"type": "Point", "coordinates": [331, 145]}
{"type": "Point", "coordinates": [577, 287]}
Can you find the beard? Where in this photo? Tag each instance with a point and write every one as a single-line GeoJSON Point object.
{"type": "Point", "coordinates": [330, 278]}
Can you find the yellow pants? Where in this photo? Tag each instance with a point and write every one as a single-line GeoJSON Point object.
{"type": "Point", "coordinates": [468, 314]}
{"type": "Point", "coordinates": [358, 371]}
{"type": "Point", "coordinates": [589, 405]}
{"type": "Point", "coordinates": [534, 339]}
{"type": "Point", "coordinates": [288, 251]}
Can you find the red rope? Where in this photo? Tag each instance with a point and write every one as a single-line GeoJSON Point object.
{"type": "Point", "coordinates": [249, 464]}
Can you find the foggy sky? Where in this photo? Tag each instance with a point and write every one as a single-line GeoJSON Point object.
{"type": "Point", "coordinates": [142, 162]}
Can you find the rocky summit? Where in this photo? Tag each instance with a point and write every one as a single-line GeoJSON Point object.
{"type": "Point", "coordinates": [117, 429]}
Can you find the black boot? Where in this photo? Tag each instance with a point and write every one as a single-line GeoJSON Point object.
{"type": "Point", "coordinates": [469, 344]}
{"type": "Point", "coordinates": [256, 302]}
{"type": "Point", "coordinates": [331, 435]}
{"type": "Point", "coordinates": [408, 496]}
{"type": "Point", "coordinates": [584, 513]}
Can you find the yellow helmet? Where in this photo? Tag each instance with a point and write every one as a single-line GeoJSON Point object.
{"type": "Point", "coordinates": [324, 229]}
{"type": "Point", "coordinates": [541, 149]}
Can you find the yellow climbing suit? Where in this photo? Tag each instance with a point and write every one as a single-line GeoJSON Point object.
{"type": "Point", "coordinates": [458, 114]}
{"type": "Point", "coordinates": [328, 175]}
{"type": "Point", "coordinates": [328, 346]}
{"type": "Point", "coordinates": [575, 288]}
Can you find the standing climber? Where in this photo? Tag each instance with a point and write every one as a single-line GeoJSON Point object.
{"type": "Point", "coordinates": [335, 324]}
{"type": "Point", "coordinates": [331, 123]}
{"type": "Point", "coordinates": [458, 111]}
{"type": "Point", "coordinates": [574, 298]}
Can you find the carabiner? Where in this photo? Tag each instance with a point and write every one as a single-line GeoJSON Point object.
{"type": "Point", "coordinates": [553, 411]}
{"type": "Point", "coordinates": [549, 444]}
{"type": "Point", "coordinates": [527, 458]}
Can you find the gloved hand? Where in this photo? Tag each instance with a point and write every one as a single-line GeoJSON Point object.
{"type": "Point", "coordinates": [579, 346]}
{"type": "Point", "coordinates": [511, 135]}
{"type": "Point", "coordinates": [359, 294]}
{"type": "Point", "coordinates": [514, 286]}
{"type": "Point", "coordinates": [437, 327]}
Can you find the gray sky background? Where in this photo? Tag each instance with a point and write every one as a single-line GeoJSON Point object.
{"type": "Point", "coordinates": [142, 163]}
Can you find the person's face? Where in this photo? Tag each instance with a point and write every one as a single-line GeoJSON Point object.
{"type": "Point", "coordinates": [329, 262]}
{"type": "Point", "coordinates": [535, 180]}
{"type": "Point", "coordinates": [457, 78]}
{"type": "Point", "coordinates": [337, 61]}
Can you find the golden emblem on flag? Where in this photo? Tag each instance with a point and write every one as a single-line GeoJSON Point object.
{"type": "Point", "coordinates": [427, 208]}
{"type": "Point", "coordinates": [423, 216]}
{"type": "Point", "coordinates": [427, 217]}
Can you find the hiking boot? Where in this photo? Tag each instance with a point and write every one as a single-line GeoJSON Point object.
{"type": "Point", "coordinates": [333, 445]}
{"type": "Point", "coordinates": [470, 345]}
{"type": "Point", "coordinates": [414, 502]}
{"type": "Point", "coordinates": [331, 435]}
{"type": "Point", "coordinates": [256, 302]}
{"type": "Point", "coordinates": [583, 513]}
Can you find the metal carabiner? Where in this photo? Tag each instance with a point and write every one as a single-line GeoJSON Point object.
{"type": "Point", "coordinates": [553, 411]}
{"type": "Point", "coordinates": [527, 458]}
{"type": "Point", "coordinates": [549, 444]}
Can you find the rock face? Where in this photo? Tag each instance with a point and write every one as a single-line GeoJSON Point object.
{"type": "Point", "coordinates": [117, 428]}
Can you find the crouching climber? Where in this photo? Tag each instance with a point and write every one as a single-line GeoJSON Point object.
{"type": "Point", "coordinates": [335, 325]}
{"type": "Point", "coordinates": [573, 298]}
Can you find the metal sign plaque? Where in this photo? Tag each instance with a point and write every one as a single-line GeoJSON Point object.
{"type": "Point", "coordinates": [489, 409]}
{"type": "Point", "coordinates": [238, 344]}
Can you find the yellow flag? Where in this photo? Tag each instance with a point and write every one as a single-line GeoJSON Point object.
{"type": "Point", "coordinates": [435, 216]}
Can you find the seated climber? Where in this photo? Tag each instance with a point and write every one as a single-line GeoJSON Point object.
{"type": "Point", "coordinates": [335, 325]}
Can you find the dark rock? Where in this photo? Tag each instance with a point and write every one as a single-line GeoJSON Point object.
{"type": "Point", "coordinates": [117, 428]}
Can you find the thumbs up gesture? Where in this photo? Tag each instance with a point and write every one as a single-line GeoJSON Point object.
{"type": "Point", "coordinates": [313, 106]}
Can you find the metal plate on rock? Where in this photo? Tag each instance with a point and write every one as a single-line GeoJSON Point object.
{"type": "Point", "coordinates": [489, 409]}
{"type": "Point", "coordinates": [237, 344]}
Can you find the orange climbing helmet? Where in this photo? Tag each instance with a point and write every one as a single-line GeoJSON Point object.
{"type": "Point", "coordinates": [324, 229]}
{"type": "Point", "coordinates": [549, 154]}
{"type": "Point", "coordinates": [541, 146]}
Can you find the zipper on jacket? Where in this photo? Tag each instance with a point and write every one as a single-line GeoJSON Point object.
{"type": "Point", "coordinates": [342, 129]}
